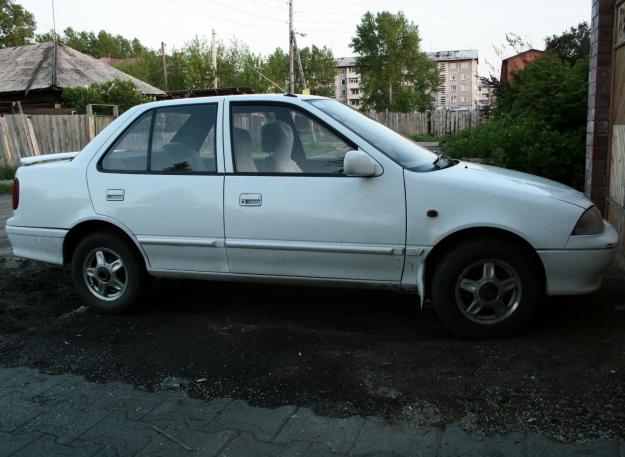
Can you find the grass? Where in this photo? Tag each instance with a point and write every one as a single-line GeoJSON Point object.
{"type": "Point", "coordinates": [426, 138]}
{"type": "Point", "coordinates": [4, 189]}
{"type": "Point", "coordinates": [7, 173]}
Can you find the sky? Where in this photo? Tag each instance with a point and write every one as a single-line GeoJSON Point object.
{"type": "Point", "coordinates": [263, 24]}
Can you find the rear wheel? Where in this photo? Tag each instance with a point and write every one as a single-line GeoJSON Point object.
{"type": "Point", "coordinates": [107, 273]}
{"type": "Point", "coordinates": [486, 288]}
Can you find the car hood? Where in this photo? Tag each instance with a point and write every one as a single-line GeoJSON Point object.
{"type": "Point", "coordinates": [516, 181]}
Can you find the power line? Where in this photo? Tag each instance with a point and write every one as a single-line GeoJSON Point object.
{"type": "Point", "coordinates": [237, 10]}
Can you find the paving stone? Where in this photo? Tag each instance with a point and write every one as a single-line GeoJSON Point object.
{"type": "Point", "coordinates": [10, 443]}
{"type": "Point", "coordinates": [246, 445]}
{"type": "Point", "coordinates": [116, 434]}
{"type": "Point", "coordinates": [178, 407]}
{"type": "Point", "coordinates": [202, 444]}
{"type": "Point", "coordinates": [319, 450]}
{"type": "Point", "coordinates": [63, 421]}
{"type": "Point", "coordinates": [27, 383]}
{"type": "Point", "coordinates": [47, 446]}
{"type": "Point", "coordinates": [263, 423]}
{"type": "Point", "coordinates": [377, 436]}
{"type": "Point", "coordinates": [458, 443]}
{"type": "Point", "coordinates": [15, 411]}
{"type": "Point", "coordinates": [337, 434]}
{"type": "Point", "coordinates": [541, 446]}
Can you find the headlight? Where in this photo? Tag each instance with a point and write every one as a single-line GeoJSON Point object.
{"type": "Point", "coordinates": [591, 223]}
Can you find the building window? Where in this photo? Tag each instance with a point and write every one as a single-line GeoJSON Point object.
{"type": "Point", "coordinates": [343, 92]}
{"type": "Point", "coordinates": [464, 77]}
{"type": "Point", "coordinates": [353, 80]}
{"type": "Point", "coordinates": [341, 71]}
{"type": "Point", "coordinates": [464, 65]}
{"type": "Point", "coordinates": [464, 99]}
{"type": "Point", "coordinates": [463, 88]}
{"type": "Point", "coordinates": [354, 91]}
{"type": "Point", "coordinates": [454, 88]}
{"type": "Point", "coordinates": [454, 99]}
{"type": "Point", "coordinates": [453, 65]}
{"type": "Point", "coordinates": [453, 76]}
{"type": "Point", "coordinates": [343, 82]}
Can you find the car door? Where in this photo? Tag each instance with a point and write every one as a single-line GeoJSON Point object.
{"type": "Point", "coordinates": [290, 211]}
{"type": "Point", "coordinates": [161, 179]}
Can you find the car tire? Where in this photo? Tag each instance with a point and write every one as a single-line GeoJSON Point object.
{"type": "Point", "coordinates": [486, 288]}
{"type": "Point", "coordinates": [107, 272]}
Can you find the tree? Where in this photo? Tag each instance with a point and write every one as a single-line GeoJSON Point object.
{"type": "Point", "coordinates": [103, 44]}
{"type": "Point", "coordinates": [17, 25]}
{"type": "Point", "coordinates": [319, 70]}
{"type": "Point", "coordinates": [114, 92]}
{"type": "Point", "coordinates": [571, 45]}
{"type": "Point", "coordinates": [396, 74]}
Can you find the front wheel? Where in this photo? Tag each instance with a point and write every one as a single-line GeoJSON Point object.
{"type": "Point", "coordinates": [486, 288]}
{"type": "Point", "coordinates": [107, 274]}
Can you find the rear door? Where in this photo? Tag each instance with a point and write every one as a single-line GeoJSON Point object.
{"type": "Point", "coordinates": [291, 211]}
{"type": "Point", "coordinates": [161, 178]}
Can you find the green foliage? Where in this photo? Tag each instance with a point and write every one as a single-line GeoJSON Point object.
{"type": "Point", "coordinates": [571, 45]}
{"type": "Point", "coordinates": [7, 173]}
{"type": "Point", "coordinates": [190, 68]}
{"type": "Point", "coordinates": [396, 74]}
{"type": "Point", "coordinates": [4, 189]}
{"type": "Point", "coordinates": [114, 92]}
{"type": "Point", "coordinates": [538, 124]}
{"type": "Point", "coordinates": [319, 70]}
{"type": "Point", "coordinates": [103, 44]}
{"type": "Point", "coordinates": [17, 25]}
{"type": "Point", "coordinates": [425, 138]}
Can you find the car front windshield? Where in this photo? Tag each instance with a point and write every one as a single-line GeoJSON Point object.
{"type": "Point", "coordinates": [399, 148]}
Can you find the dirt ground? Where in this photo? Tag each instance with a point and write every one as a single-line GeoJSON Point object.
{"type": "Point", "coordinates": [339, 352]}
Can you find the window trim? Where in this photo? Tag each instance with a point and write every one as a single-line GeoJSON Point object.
{"type": "Point", "coordinates": [147, 171]}
{"type": "Point", "coordinates": [294, 108]}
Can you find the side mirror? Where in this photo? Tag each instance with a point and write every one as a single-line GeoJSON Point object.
{"type": "Point", "coordinates": [358, 163]}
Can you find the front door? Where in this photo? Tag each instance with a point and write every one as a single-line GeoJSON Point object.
{"type": "Point", "coordinates": [160, 179]}
{"type": "Point", "coordinates": [290, 210]}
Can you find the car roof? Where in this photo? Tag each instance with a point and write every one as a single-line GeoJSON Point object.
{"type": "Point", "coordinates": [243, 97]}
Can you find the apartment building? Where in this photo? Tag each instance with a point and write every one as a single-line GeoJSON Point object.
{"type": "Point", "coordinates": [460, 88]}
{"type": "Point", "coordinates": [347, 82]}
{"type": "Point", "coordinates": [459, 79]}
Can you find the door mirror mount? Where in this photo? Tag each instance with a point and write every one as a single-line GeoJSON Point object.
{"type": "Point", "coordinates": [359, 163]}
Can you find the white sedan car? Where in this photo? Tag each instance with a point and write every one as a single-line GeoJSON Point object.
{"type": "Point", "coordinates": [303, 189]}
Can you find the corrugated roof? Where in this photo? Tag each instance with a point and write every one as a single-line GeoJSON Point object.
{"type": "Point", "coordinates": [31, 67]}
{"type": "Point", "coordinates": [462, 54]}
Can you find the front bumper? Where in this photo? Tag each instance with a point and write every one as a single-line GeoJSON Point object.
{"type": "Point", "coordinates": [578, 268]}
{"type": "Point", "coordinates": [41, 244]}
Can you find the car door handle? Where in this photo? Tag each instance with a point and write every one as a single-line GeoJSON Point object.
{"type": "Point", "coordinates": [115, 195]}
{"type": "Point", "coordinates": [250, 200]}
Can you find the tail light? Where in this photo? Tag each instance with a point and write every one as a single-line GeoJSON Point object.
{"type": "Point", "coordinates": [16, 193]}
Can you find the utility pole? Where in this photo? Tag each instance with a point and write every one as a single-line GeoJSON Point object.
{"type": "Point", "coordinates": [300, 67]}
{"type": "Point", "coordinates": [291, 53]}
{"type": "Point", "coordinates": [164, 59]}
{"type": "Point", "coordinates": [214, 57]}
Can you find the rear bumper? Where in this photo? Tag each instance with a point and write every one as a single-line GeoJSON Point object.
{"type": "Point", "coordinates": [575, 271]}
{"type": "Point", "coordinates": [41, 244]}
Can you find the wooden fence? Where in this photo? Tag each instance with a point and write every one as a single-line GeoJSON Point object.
{"type": "Point", "coordinates": [434, 123]}
{"type": "Point", "coordinates": [24, 136]}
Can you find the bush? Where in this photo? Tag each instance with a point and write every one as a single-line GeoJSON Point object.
{"type": "Point", "coordinates": [525, 144]}
{"type": "Point", "coordinates": [7, 173]}
{"type": "Point", "coordinates": [538, 124]}
{"type": "Point", "coordinates": [114, 92]}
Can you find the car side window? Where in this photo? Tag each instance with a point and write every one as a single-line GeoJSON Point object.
{"type": "Point", "coordinates": [130, 152]}
{"type": "Point", "coordinates": [281, 140]}
{"type": "Point", "coordinates": [183, 139]}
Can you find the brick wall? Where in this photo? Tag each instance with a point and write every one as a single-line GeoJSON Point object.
{"type": "Point", "coordinates": [600, 78]}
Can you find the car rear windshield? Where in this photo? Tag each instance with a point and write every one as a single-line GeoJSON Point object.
{"type": "Point", "coordinates": [399, 148]}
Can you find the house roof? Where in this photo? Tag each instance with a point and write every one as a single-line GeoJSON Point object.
{"type": "Point", "coordinates": [462, 54]}
{"type": "Point", "coordinates": [346, 62]}
{"type": "Point", "coordinates": [33, 66]}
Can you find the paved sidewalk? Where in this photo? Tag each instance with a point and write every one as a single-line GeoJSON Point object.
{"type": "Point", "coordinates": [44, 415]}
